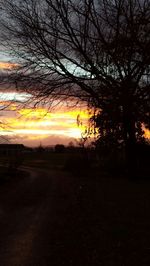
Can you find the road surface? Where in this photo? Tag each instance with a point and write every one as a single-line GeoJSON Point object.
{"type": "Point", "coordinates": [34, 214]}
{"type": "Point", "coordinates": [49, 218]}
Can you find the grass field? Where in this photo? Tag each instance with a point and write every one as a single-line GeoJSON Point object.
{"type": "Point", "coordinates": [45, 160]}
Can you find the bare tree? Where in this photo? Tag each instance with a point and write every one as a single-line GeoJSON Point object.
{"type": "Point", "coordinates": [93, 50]}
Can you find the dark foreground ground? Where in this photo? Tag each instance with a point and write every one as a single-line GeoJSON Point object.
{"type": "Point", "coordinates": [50, 218]}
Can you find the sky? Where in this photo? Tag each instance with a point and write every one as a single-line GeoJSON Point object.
{"type": "Point", "coordinates": [34, 127]}
{"type": "Point", "coordinates": [38, 126]}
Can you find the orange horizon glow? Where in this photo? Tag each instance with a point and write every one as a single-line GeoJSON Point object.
{"type": "Point", "coordinates": [7, 65]}
{"type": "Point", "coordinates": [146, 133]}
{"type": "Point", "coordinates": [41, 123]}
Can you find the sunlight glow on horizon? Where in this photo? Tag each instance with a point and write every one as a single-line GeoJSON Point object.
{"type": "Point", "coordinates": [147, 133]}
{"type": "Point", "coordinates": [31, 125]}
{"type": "Point", "coordinates": [75, 133]}
{"type": "Point", "coordinates": [41, 123]}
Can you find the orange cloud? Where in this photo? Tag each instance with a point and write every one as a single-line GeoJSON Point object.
{"type": "Point", "coordinates": [40, 113]}
{"type": "Point", "coordinates": [7, 66]}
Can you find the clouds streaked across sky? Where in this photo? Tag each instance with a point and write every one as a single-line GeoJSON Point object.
{"type": "Point", "coordinates": [34, 126]}
{"type": "Point", "coordinates": [14, 96]}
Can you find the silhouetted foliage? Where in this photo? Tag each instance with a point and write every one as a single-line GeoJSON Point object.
{"type": "Point", "coordinates": [78, 162]}
{"type": "Point", "coordinates": [60, 148]}
{"type": "Point", "coordinates": [40, 149]}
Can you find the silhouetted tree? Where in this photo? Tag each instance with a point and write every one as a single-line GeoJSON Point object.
{"type": "Point", "coordinates": [59, 148]}
{"type": "Point", "coordinates": [93, 50]}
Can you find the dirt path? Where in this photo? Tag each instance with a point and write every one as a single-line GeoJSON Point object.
{"type": "Point", "coordinates": [51, 219]}
{"type": "Point", "coordinates": [26, 205]}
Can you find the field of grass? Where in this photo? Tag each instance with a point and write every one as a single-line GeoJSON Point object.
{"type": "Point", "coordinates": [45, 160]}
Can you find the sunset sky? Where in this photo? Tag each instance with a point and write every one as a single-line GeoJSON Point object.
{"type": "Point", "coordinates": [32, 127]}
{"type": "Point", "coordinates": [40, 126]}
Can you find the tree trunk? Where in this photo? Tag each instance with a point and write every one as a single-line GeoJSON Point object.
{"type": "Point", "coordinates": [130, 144]}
